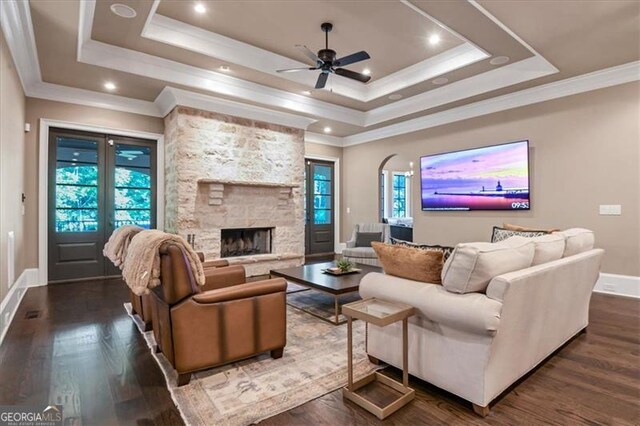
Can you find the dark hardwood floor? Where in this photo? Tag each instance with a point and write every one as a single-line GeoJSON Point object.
{"type": "Point", "coordinates": [74, 344]}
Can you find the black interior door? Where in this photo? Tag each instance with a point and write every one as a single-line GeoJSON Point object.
{"type": "Point", "coordinates": [320, 214]}
{"type": "Point", "coordinates": [96, 184]}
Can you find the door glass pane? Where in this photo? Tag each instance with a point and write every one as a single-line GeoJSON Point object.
{"type": "Point", "coordinates": [132, 197]}
{"type": "Point", "coordinates": [76, 189]}
{"type": "Point", "coordinates": [322, 217]}
{"type": "Point", "coordinates": [322, 176]}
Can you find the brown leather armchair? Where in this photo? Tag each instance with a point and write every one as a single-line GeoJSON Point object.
{"type": "Point", "coordinates": [141, 305]}
{"type": "Point", "coordinates": [226, 320]}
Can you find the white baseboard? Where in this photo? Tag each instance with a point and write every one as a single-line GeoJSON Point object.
{"type": "Point", "coordinates": [620, 285]}
{"type": "Point", "coordinates": [9, 306]}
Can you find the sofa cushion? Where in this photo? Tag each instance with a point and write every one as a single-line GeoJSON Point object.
{"type": "Point", "coordinates": [362, 252]}
{"type": "Point", "coordinates": [364, 239]}
{"type": "Point", "coordinates": [471, 313]}
{"type": "Point", "coordinates": [577, 240]}
{"type": "Point", "coordinates": [472, 265]}
{"type": "Point", "coordinates": [547, 248]}
{"type": "Point", "coordinates": [512, 227]}
{"type": "Point", "coordinates": [501, 234]}
{"type": "Point", "coordinates": [446, 251]}
{"type": "Point", "coordinates": [410, 262]}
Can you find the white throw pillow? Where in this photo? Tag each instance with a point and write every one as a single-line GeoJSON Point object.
{"type": "Point", "coordinates": [577, 240]}
{"type": "Point", "coordinates": [473, 265]}
{"type": "Point", "coordinates": [547, 248]}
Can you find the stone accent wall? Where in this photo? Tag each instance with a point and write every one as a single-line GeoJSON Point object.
{"type": "Point", "coordinates": [230, 172]}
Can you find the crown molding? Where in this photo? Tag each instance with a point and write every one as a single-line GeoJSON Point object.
{"type": "Point", "coordinates": [321, 139]}
{"type": "Point", "coordinates": [608, 77]}
{"type": "Point", "coordinates": [15, 19]}
{"type": "Point", "coordinates": [170, 97]}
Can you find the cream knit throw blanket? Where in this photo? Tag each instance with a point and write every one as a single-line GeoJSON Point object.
{"type": "Point", "coordinates": [142, 265]}
{"type": "Point", "coordinates": [116, 248]}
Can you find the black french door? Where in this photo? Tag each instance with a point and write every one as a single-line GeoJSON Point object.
{"type": "Point", "coordinates": [97, 183]}
{"type": "Point", "coordinates": [319, 207]}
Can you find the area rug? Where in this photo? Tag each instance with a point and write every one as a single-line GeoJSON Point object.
{"type": "Point", "coordinates": [246, 392]}
{"type": "Point", "coordinates": [316, 302]}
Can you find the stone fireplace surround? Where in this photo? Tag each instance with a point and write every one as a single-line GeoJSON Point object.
{"type": "Point", "coordinates": [224, 172]}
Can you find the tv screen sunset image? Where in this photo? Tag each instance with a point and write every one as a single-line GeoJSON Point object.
{"type": "Point", "coordinates": [490, 178]}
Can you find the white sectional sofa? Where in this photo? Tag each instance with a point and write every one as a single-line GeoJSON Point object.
{"type": "Point", "coordinates": [476, 344]}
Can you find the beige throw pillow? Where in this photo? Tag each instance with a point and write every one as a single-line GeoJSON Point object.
{"type": "Point", "coordinates": [473, 265]}
{"type": "Point", "coordinates": [409, 262]}
{"type": "Point", "coordinates": [548, 248]}
{"type": "Point", "coordinates": [512, 227]}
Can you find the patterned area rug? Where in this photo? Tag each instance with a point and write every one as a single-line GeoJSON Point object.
{"type": "Point", "coordinates": [316, 302]}
{"type": "Point", "coordinates": [246, 392]}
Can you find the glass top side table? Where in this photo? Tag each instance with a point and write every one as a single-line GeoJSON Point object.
{"type": "Point", "coordinates": [381, 313]}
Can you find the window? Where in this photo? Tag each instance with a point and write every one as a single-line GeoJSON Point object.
{"type": "Point", "coordinates": [76, 191]}
{"type": "Point", "coordinates": [132, 201]}
{"type": "Point", "coordinates": [322, 209]}
{"type": "Point", "coordinates": [399, 196]}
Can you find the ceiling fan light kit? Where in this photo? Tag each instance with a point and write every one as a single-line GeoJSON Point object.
{"type": "Point", "coordinates": [325, 61]}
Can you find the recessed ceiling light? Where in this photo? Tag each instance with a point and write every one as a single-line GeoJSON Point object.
{"type": "Point", "coordinates": [499, 60]}
{"type": "Point", "coordinates": [224, 68]}
{"type": "Point", "coordinates": [75, 154]}
{"type": "Point", "coordinates": [434, 39]}
{"type": "Point", "coordinates": [395, 96]}
{"type": "Point", "coordinates": [199, 7]}
{"type": "Point", "coordinates": [440, 80]}
{"type": "Point", "coordinates": [306, 92]}
{"type": "Point", "coordinates": [123, 11]}
{"type": "Point", "coordinates": [366, 71]}
{"type": "Point", "coordinates": [327, 129]}
{"type": "Point", "coordinates": [109, 85]}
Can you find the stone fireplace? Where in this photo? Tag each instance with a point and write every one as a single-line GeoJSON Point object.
{"type": "Point", "coordinates": [245, 241]}
{"type": "Point", "coordinates": [225, 173]}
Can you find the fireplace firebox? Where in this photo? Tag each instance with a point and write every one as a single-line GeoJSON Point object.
{"type": "Point", "coordinates": [245, 241]}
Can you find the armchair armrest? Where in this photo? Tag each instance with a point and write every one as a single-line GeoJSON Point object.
{"type": "Point", "coordinates": [217, 263]}
{"type": "Point", "coordinates": [242, 291]}
{"type": "Point", "coordinates": [223, 277]}
{"type": "Point", "coordinates": [351, 243]}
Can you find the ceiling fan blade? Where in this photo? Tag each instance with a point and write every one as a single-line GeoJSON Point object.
{"type": "Point", "coordinates": [309, 53]}
{"type": "Point", "coordinates": [353, 75]}
{"type": "Point", "coordinates": [296, 69]}
{"type": "Point", "coordinates": [352, 59]}
{"type": "Point", "coordinates": [322, 80]}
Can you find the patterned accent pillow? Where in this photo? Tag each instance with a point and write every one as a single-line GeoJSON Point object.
{"type": "Point", "coordinates": [446, 251]}
{"type": "Point", "coordinates": [500, 234]}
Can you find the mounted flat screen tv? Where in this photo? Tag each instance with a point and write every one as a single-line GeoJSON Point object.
{"type": "Point", "coordinates": [489, 178]}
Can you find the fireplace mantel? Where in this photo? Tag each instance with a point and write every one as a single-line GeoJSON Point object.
{"type": "Point", "coordinates": [216, 190]}
{"type": "Point", "coordinates": [246, 183]}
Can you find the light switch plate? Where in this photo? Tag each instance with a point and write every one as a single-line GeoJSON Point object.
{"type": "Point", "coordinates": [610, 209]}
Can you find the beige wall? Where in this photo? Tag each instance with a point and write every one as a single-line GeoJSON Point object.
{"type": "Point", "coordinates": [40, 108]}
{"type": "Point", "coordinates": [12, 179]}
{"type": "Point", "coordinates": [584, 152]}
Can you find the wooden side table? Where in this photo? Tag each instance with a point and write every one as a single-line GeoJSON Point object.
{"type": "Point", "coordinates": [380, 313]}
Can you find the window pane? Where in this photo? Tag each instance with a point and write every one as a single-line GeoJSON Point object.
{"type": "Point", "coordinates": [79, 174]}
{"type": "Point", "coordinates": [76, 220]}
{"type": "Point", "coordinates": [322, 217]}
{"type": "Point", "coordinates": [132, 198]}
{"type": "Point", "coordinates": [322, 201]}
{"type": "Point", "coordinates": [72, 196]}
{"type": "Point", "coordinates": [322, 187]}
{"type": "Point", "coordinates": [76, 150]}
{"type": "Point", "coordinates": [133, 217]}
{"type": "Point", "coordinates": [133, 156]}
{"type": "Point", "coordinates": [133, 178]}
{"type": "Point", "coordinates": [321, 172]}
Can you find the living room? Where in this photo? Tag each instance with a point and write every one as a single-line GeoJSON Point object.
{"type": "Point", "coordinates": [320, 212]}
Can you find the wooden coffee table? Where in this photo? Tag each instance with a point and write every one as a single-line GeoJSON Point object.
{"type": "Point", "coordinates": [312, 276]}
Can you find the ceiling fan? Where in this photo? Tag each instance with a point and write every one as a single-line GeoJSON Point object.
{"type": "Point", "coordinates": [326, 61]}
